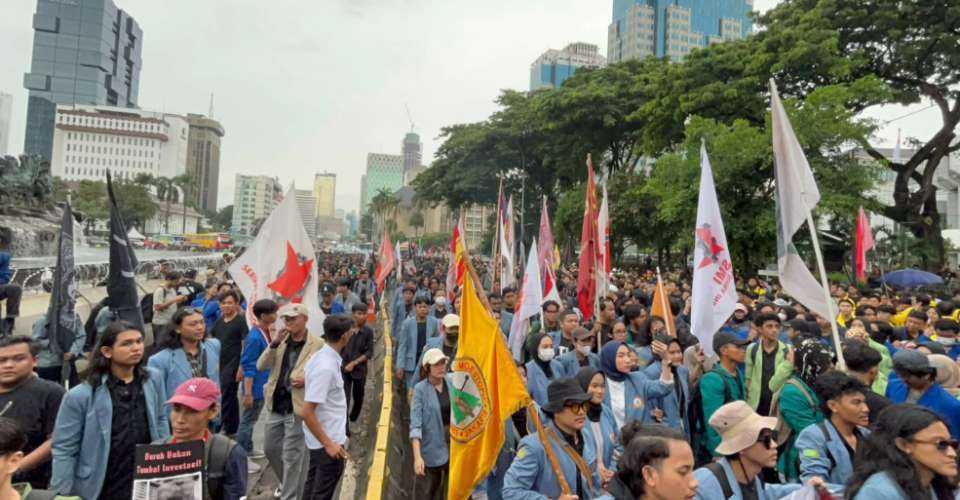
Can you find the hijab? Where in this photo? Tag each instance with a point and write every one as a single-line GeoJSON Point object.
{"type": "Point", "coordinates": [533, 346]}
{"type": "Point", "coordinates": [948, 372]}
{"type": "Point", "coordinates": [584, 376]}
{"type": "Point", "coordinates": [608, 361]}
{"type": "Point", "coordinates": [811, 359]}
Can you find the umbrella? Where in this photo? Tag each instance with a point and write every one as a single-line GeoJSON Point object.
{"type": "Point", "coordinates": [909, 278]}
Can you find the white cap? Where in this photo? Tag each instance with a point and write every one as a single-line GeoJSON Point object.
{"type": "Point", "coordinates": [433, 356]}
{"type": "Point", "coordinates": [450, 320]}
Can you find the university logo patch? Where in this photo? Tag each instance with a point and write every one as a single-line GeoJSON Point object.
{"type": "Point", "coordinates": [469, 401]}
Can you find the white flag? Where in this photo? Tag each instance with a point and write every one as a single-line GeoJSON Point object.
{"type": "Point", "coordinates": [508, 276]}
{"type": "Point", "coordinates": [897, 153]}
{"type": "Point", "coordinates": [797, 195]}
{"type": "Point", "coordinates": [603, 229]}
{"type": "Point", "coordinates": [399, 255]}
{"type": "Point", "coordinates": [281, 265]}
{"type": "Point", "coordinates": [714, 291]}
{"type": "Point", "coordinates": [528, 304]}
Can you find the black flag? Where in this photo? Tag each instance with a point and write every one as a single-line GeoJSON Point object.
{"type": "Point", "coordinates": [62, 323]}
{"type": "Point", "coordinates": [121, 284]}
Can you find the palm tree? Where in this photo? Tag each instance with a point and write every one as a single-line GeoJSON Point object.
{"type": "Point", "coordinates": [417, 222]}
{"type": "Point", "coordinates": [382, 204]}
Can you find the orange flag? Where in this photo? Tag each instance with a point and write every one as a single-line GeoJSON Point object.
{"type": "Point", "coordinates": [661, 306]}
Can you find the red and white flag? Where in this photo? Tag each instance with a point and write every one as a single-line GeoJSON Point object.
{"type": "Point", "coordinates": [281, 265]}
{"type": "Point", "coordinates": [714, 293]}
{"type": "Point", "coordinates": [865, 243]}
{"type": "Point", "coordinates": [528, 303]}
{"type": "Point", "coordinates": [547, 249]}
{"type": "Point", "coordinates": [587, 268]}
{"type": "Point", "coordinates": [457, 267]}
{"type": "Point", "coordinates": [386, 262]}
{"type": "Point", "coordinates": [603, 244]}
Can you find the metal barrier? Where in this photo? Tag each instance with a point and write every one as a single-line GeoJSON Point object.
{"type": "Point", "coordinates": [378, 466]}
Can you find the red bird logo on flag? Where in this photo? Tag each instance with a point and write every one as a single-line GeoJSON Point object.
{"type": "Point", "coordinates": [711, 247]}
{"type": "Point", "coordinates": [293, 277]}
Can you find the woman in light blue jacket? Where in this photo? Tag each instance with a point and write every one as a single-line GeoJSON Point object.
{"type": "Point", "coordinates": [186, 353]}
{"type": "Point", "coordinates": [82, 435]}
{"type": "Point", "coordinates": [430, 427]}
{"type": "Point", "coordinates": [910, 454]}
{"type": "Point", "coordinates": [542, 367]}
{"type": "Point", "coordinates": [600, 430]}
{"type": "Point", "coordinates": [628, 392]}
{"type": "Point", "coordinates": [674, 408]}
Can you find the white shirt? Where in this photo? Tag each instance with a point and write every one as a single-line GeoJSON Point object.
{"type": "Point", "coordinates": [324, 386]}
{"type": "Point", "coordinates": [617, 401]}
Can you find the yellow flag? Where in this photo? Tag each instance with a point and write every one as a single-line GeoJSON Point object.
{"type": "Point", "coordinates": [486, 390]}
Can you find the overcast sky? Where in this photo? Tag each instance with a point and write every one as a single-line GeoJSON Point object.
{"type": "Point", "coordinates": [305, 87]}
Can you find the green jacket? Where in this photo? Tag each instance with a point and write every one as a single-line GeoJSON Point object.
{"type": "Point", "coordinates": [754, 371]}
{"type": "Point", "coordinates": [717, 388]}
{"type": "Point", "coordinates": [28, 493]}
{"type": "Point", "coordinates": [796, 410]}
{"type": "Point", "coordinates": [886, 364]}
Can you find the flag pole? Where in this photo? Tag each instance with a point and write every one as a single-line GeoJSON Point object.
{"type": "Point", "coordinates": [841, 363]}
{"type": "Point", "coordinates": [663, 302]}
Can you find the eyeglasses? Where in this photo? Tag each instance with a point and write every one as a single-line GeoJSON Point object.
{"type": "Point", "coordinates": [577, 408]}
{"type": "Point", "coordinates": [941, 444]}
{"type": "Point", "coordinates": [767, 437]}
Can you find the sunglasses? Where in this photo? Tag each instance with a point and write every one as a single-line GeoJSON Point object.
{"type": "Point", "coordinates": [577, 408]}
{"type": "Point", "coordinates": [767, 437]}
{"type": "Point", "coordinates": [941, 444]}
{"type": "Point", "coordinates": [190, 310]}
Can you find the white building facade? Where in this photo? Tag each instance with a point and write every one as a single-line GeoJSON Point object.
{"type": "Point", "coordinates": [306, 205]}
{"type": "Point", "coordinates": [254, 197]}
{"type": "Point", "coordinates": [6, 111]}
{"type": "Point", "coordinates": [554, 67]}
{"type": "Point", "coordinates": [89, 140]}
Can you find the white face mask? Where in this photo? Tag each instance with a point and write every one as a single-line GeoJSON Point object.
{"type": "Point", "coordinates": [584, 349]}
{"type": "Point", "coordinates": [782, 316]}
{"type": "Point", "coordinates": [947, 341]}
{"type": "Point", "coordinates": [545, 355]}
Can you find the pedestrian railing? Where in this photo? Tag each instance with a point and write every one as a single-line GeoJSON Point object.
{"type": "Point", "coordinates": [378, 466]}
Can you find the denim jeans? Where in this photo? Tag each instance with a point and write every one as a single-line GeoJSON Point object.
{"type": "Point", "coordinates": [247, 420]}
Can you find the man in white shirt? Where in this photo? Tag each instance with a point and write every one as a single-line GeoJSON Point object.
{"type": "Point", "coordinates": [325, 410]}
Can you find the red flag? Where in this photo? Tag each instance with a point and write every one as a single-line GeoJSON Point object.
{"type": "Point", "coordinates": [386, 262]}
{"type": "Point", "coordinates": [546, 240]}
{"type": "Point", "coordinates": [587, 279]}
{"type": "Point", "coordinates": [865, 243]}
{"type": "Point", "coordinates": [457, 268]}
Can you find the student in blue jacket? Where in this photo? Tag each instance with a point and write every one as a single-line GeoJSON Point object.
{"type": "Point", "coordinates": [430, 427]}
{"type": "Point", "coordinates": [93, 453]}
{"type": "Point", "coordinates": [584, 342]}
{"type": "Point", "coordinates": [542, 368]}
{"type": "Point", "coordinates": [257, 341]}
{"type": "Point", "coordinates": [827, 449]}
{"type": "Point", "coordinates": [915, 378]}
{"type": "Point", "coordinates": [413, 336]}
{"type": "Point", "coordinates": [909, 455]}
{"type": "Point", "coordinates": [531, 476]}
{"type": "Point", "coordinates": [628, 392]}
{"type": "Point", "coordinates": [674, 408]}
{"type": "Point", "coordinates": [186, 353]}
{"type": "Point", "coordinates": [600, 430]}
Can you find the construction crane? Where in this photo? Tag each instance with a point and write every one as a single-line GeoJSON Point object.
{"type": "Point", "coordinates": [409, 117]}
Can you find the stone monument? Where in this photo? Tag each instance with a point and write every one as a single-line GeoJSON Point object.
{"type": "Point", "coordinates": [28, 212]}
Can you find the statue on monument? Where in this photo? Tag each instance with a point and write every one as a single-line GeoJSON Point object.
{"type": "Point", "coordinates": [25, 184]}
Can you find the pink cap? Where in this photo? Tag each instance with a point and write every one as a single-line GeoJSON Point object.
{"type": "Point", "coordinates": [197, 393]}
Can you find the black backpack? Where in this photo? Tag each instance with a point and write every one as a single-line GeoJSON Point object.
{"type": "Point", "coordinates": [217, 451]}
{"type": "Point", "coordinates": [146, 308]}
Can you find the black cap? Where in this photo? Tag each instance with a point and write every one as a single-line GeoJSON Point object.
{"type": "Point", "coordinates": [563, 391]}
{"type": "Point", "coordinates": [723, 338]}
{"type": "Point", "coordinates": [328, 289]}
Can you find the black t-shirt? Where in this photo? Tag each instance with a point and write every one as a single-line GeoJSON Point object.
{"type": "Point", "coordinates": [360, 344]}
{"type": "Point", "coordinates": [876, 403]}
{"type": "Point", "coordinates": [421, 337]}
{"type": "Point", "coordinates": [282, 397]}
{"type": "Point", "coordinates": [444, 396]}
{"type": "Point", "coordinates": [231, 335]}
{"type": "Point", "coordinates": [34, 405]}
{"type": "Point", "coordinates": [769, 366]}
{"type": "Point", "coordinates": [749, 491]}
{"type": "Point", "coordinates": [129, 427]}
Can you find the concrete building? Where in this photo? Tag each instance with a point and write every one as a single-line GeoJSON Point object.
{"type": "Point", "coordinates": [325, 193]}
{"type": "Point", "coordinates": [88, 140]}
{"type": "Point", "coordinates": [178, 221]}
{"type": "Point", "coordinates": [306, 205]}
{"type": "Point", "coordinates": [673, 28]}
{"type": "Point", "coordinates": [553, 67]}
{"type": "Point", "coordinates": [203, 159]}
{"type": "Point", "coordinates": [384, 171]}
{"type": "Point", "coordinates": [84, 52]}
{"type": "Point", "coordinates": [254, 197]}
{"type": "Point", "coordinates": [412, 151]}
{"type": "Point", "coordinates": [6, 111]}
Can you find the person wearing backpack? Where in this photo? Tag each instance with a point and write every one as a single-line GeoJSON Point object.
{"type": "Point", "coordinates": [768, 363]}
{"type": "Point", "coordinates": [798, 406]}
{"type": "Point", "coordinates": [723, 383]}
{"type": "Point", "coordinates": [827, 449]}
{"type": "Point", "coordinates": [196, 404]}
{"type": "Point", "coordinates": [748, 445]}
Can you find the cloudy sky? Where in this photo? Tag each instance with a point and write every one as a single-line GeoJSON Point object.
{"type": "Point", "coordinates": [304, 87]}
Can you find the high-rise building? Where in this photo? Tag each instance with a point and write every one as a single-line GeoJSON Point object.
{"type": "Point", "coordinates": [84, 52]}
{"type": "Point", "coordinates": [383, 172]}
{"type": "Point", "coordinates": [325, 192]}
{"type": "Point", "coordinates": [89, 140]}
{"type": "Point", "coordinates": [553, 67]}
{"type": "Point", "coordinates": [203, 160]}
{"type": "Point", "coordinates": [412, 151]}
{"type": "Point", "coordinates": [673, 28]}
{"type": "Point", "coordinates": [254, 197]}
{"type": "Point", "coordinates": [306, 205]}
{"type": "Point", "coordinates": [6, 110]}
